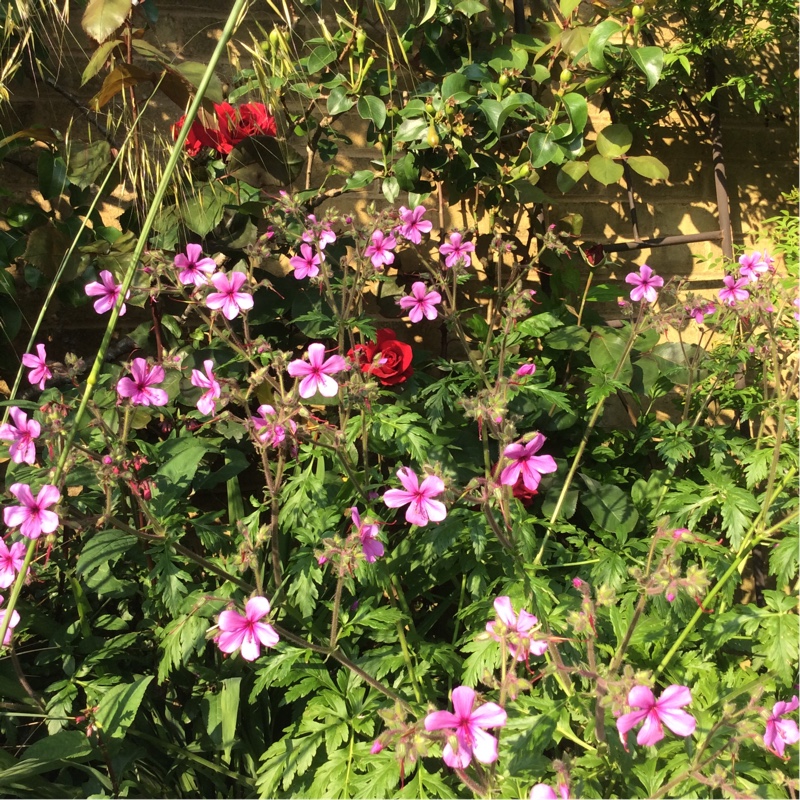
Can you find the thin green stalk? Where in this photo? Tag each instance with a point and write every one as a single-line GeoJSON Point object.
{"type": "Point", "coordinates": [155, 208]}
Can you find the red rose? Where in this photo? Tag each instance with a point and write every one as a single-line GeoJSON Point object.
{"type": "Point", "coordinates": [197, 138]}
{"type": "Point", "coordinates": [387, 359]}
{"type": "Point", "coordinates": [233, 125]}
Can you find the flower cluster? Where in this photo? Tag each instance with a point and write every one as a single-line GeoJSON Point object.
{"type": "Point", "coordinates": [515, 630]}
{"type": "Point", "coordinates": [230, 126]}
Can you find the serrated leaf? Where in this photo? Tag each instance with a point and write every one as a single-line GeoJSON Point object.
{"type": "Point", "coordinates": [649, 167]}
{"type": "Point", "coordinates": [118, 706]}
{"type": "Point", "coordinates": [605, 170]}
{"type": "Point", "coordinates": [614, 140]}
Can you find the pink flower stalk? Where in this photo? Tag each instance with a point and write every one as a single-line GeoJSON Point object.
{"type": "Point", "coordinates": [138, 389]}
{"type": "Point", "coordinates": [15, 618]}
{"type": "Point", "coordinates": [107, 291]}
{"type": "Point", "coordinates": [244, 632]}
{"type": "Point", "coordinates": [194, 269]}
{"type": "Point", "coordinates": [515, 630]}
{"type": "Point", "coordinates": [525, 370]}
{"type": "Point", "coordinates": [32, 516]}
{"type": "Point", "coordinates": [316, 372]}
{"type": "Point", "coordinates": [413, 226]}
{"type": "Point", "coordinates": [524, 459]}
{"type": "Point", "coordinates": [21, 433]}
{"type": "Point", "coordinates": [267, 430]}
{"type": "Point", "coordinates": [644, 282]}
{"type": "Point", "coordinates": [38, 367]}
{"type": "Point", "coordinates": [321, 233]}
{"type": "Point", "coordinates": [420, 302]}
{"type": "Point", "coordinates": [207, 402]}
{"type": "Point", "coordinates": [734, 290]}
{"type": "Point", "coordinates": [544, 792]}
{"type": "Point", "coordinates": [457, 250]}
{"type": "Point", "coordinates": [11, 560]}
{"type": "Point", "coordinates": [780, 732]}
{"type": "Point", "coordinates": [422, 508]}
{"type": "Point", "coordinates": [228, 297]}
{"type": "Point", "coordinates": [666, 710]}
{"type": "Point", "coordinates": [380, 251]}
{"type": "Point", "coordinates": [367, 532]}
{"type": "Point", "coordinates": [752, 266]}
{"type": "Point", "coordinates": [469, 725]}
{"type": "Point", "coordinates": [307, 264]}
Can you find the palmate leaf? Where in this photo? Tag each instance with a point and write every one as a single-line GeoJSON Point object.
{"type": "Point", "coordinates": [284, 760]}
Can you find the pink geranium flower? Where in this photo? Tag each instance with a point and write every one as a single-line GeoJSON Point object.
{"type": "Point", "coordinates": [525, 370]}
{"type": "Point", "coordinates": [194, 269]}
{"type": "Point", "coordinates": [420, 302]}
{"type": "Point", "coordinates": [32, 517]}
{"type": "Point", "coordinates": [245, 632]}
{"type": "Point", "coordinates": [316, 372]}
{"type": "Point", "coordinates": [38, 366]}
{"type": "Point", "coordinates": [207, 402]}
{"type": "Point", "coordinates": [515, 630]}
{"type": "Point", "coordinates": [107, 291]}
{"type": "Point", "coordinates": [524, 460]}
{"type": "Point", "coordinates": [413, 226]}
{"type": "Point", "coordinates": [367, 532]}
{"type": "Point", "coordinates": [457, 250]}
{"type": "Point", "coordinates": [380, 251]}
{"type": "Point", "coordinates": [307, 264]}
{"type": "Point", "coordinates": [11, 561]}
{"type": "Point", "coordinates": [21, 433]}
{"type": "Point", "coordinates": [228, 297]}
{"type": "Point", "coordinates": [13, 622]}
{"type": "Point", "coordinates": [644, 282]}
{"type": "Point", "coordinates": [544, 792]}
{"type": "Point", "coordinates": [752, 266]}
{"type": "Point", "coordinates": [321, 233]}
{"type": "Point", "coordinates": [657, 713]}
{"type": "Point", "coordinates": [734, 290]}
{"type": "Point", "coordinates": [422, 508]}
{"type": "Point", "coordinates": [139, 389]}
{"type": "Point", "coordinates": [701, 312]}
{"type": "Point", "coordinates": [267, 429]}
{"type": "Point", "coordinates": [469, 724]}
{"type": "Point", "coordinates": [780, 732]}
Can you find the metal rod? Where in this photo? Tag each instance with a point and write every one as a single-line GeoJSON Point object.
{"type": "Point", "coordinates": [662, 241]}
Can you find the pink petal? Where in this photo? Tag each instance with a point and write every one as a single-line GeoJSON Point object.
{"type": "Point", "coordinates": [409, 479]}
{"type": "Point", "coordinates": [502, 605]}
{"type": "Point", "coordinates": [489, 715]}
{"type": "Point", "coordinates": [543, 792]}
{"type": "Point", "coordinates": [674, 697]}
{"type": "Point", "coordinates": [232, 621]}
{"type": "Point", "coordinates": [266, 634]}
{"type": "Point", "coordinates": [256, 608]}
{"type": "Point", "coordinates": [651, 732]}
{"type": "Point", "coordinates": [679, 722]}
{"type": "Point", "coordinates": [641, 697]}
{"type": "Point", "coordinates": [459, 760]}
{"type": "Point", "coordinates": [463, 701]}
{"type": "Point", "coordinates": [437, 720]}
{"type": "Point", "coordinates": [435, 510]}
{"type": "Point", "coordinates": [395, 498]}
{"type": "Point", "coordinates": [250, 649]}
{"type": "Point", "coordinates": [484, 746]}
{"type": "Point", "coordinates": [48, 495]}
{"type": "Point", "coordinates": [431, 486]}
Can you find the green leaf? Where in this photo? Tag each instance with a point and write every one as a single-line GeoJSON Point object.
{"type": "Point", "coordinates": [650, 61]}
{"type": "Point", "coordinates": [46, 248]}
{"type": "Point", "coordinates": [7, 285]}
{"type": "Point", "coordinates": [391, 189]}
{"type": "Point", "coordinates": [411, 130]}
{"type": "Point", "coordinates": [454, 83]}
{"type": "Point", "coordinates": [193, 73]}
{"type": "Point", "coordinates": [359, 179]}
{"type": "Point", "coordinates": [85, 162]}
{"type": "Point", "coordinates": [264, 161]}
{"type": "Point", "coordinates": [373, 109]}
{"type": "Point", "coordinates": [610, 507]}
{"type": "Point", "coordinates": [614, 140]}
{"type": "Point", "coordinates": [320, 58]}
{"type": "Point", "coordinates": [52, 172]}
{"type": "Point", "coordinates": [98, 59]}
{"type": "Point", "coordinates": [570, 174]}
{"type": "Point", "coordinates": [649, 167]}
{"type": "Point", "coordinates": [118, 706]}
{"type": "Point", "coordinates": [606, 350]}
{"type": "Point", "coordinates": [598, 40]}
{"type": "Point", "coordinates": [339, 102]}
{"type": "Point", "coordinates": [470, 8]}
{"type": "Point", "coordinates": [203, 211]}
{"type": "Point", "coordinates": [539, 324]}
{"type": "Point", "coordinates": [570, 337]}
{"type": "Point", "coordinates": [605, 170]}
{"type": "Point", "coordinates": [103, 17]}
{"type": "Point", "coordinates": [578, 111]}
{"type": "Point", "coordinates": [568, 6]}
{"type": "Point", "coordinates": [406, 172]}
{"type": "Point", "coordinates": [543, 148]}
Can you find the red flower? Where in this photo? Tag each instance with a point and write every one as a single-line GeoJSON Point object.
{"type": "Point", "coordinates": [197, 139]}
{"type": "Point", "coordinates": [387, 359]}
{"type": "Point", "coordinates": [233, 125]}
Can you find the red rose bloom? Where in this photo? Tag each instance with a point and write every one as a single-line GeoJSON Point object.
{"type": "Point", "coordinates": [387, 359]}
{"type": "Point", "coordinates": [233, 126]}
{"type": "Point", "coordinates": [197, 139]}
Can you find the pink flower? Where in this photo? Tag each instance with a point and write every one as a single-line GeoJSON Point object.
{"type": "Point", "coordinates": [734, 290]}
{"type": "Point", "coordinates": [138, 389]}
{"type": "Point", "coordinates": [316, 372]}
{"type": "Point", "coordinates": [523, 459]}
{"type": "Point", "coordinates": [267, 430]}
{"type": "Point", "coordinates": [228, 297]}
{"type": "Point", "coordinates": [32, 516]}
{"type": "Point", "coordinates": [413, 225]}
{"type": "Point", "coordinates": [207, 402]}
{"type": "Point", "coordinates": [422, 508]}
{"type": "Point", "coordinates": [38, 366]}
{"type": "Point", "coordinates": [780, 732]}
{"type": "Point", "coordinates": [666, 710]}
{"type": "Point", "coordinates": [367, 532]}
{"type": "Point", "coordinates": [107, 291]}
{"type": "Point", "coordinates": [21, 434]}
{"type": "Point", "coordinates": [796, 304]}
{"type": "Point", "coordinates": [307, 264]}
{"type": "Point", "coordinates": [526, 369]}
{"type": "Point", "coordinates": [420, 302]}
{"type": "Point", "coordinates": [469, 724]}
{"type": "Point", "coordinates": [380, 251]}
{"type": "Point", "coordinates": [321, 233]}
{"type": "Point", "coordinates": [515, 630]}
{"type": "Point", "coordinates": [11, 560]}
{"type": "Point", "coordinates": [194, 269]}
{"type": "Point", "coordinates": [644, 282]}
{"type": "Point", "coordinates": [457, 250]}
{"type": "Point", "coordinates": [376, 747]}
{"type": "Point", "coordinates": [701, 312]}
{"type": "Point", "coordinates": [752, 266]}
{"type": "Point", "coordinates": [544, 792]}
{"type": "Point", "coordinates": [244, 631]}
{"type": "Point", "coordinates": [15, 618]}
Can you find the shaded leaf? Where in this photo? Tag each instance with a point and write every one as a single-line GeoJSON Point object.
{"type": "Point", "coordinates": [605, 170]}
